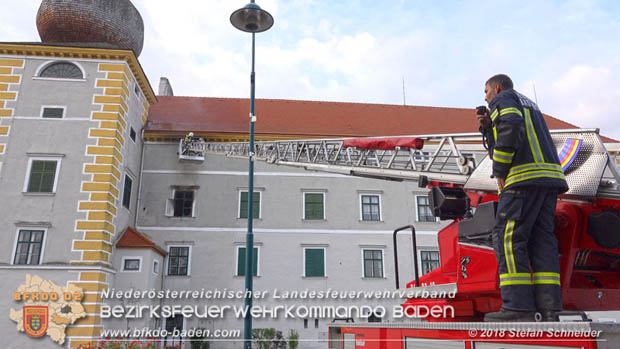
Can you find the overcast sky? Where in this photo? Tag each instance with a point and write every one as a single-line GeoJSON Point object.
{"type": "Point", "coordinates": [360, 51]}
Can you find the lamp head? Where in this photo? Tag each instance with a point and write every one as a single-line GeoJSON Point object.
{"type": "Point", "coordinates": [251, 19]}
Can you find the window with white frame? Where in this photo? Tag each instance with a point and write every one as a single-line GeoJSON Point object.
{"type": "Point", "coordinates": [173, 324]}
{"type": "Point", "coordinates": [128, 183]}
{"type": "Point", "coordinates": [42, 174]}
{"type": "Point", "coordinates": [424, 211]}
{"type": "Point", "coordinates": [29, 246]}
{"type": "Point", "coordinates": [131, 263]}
{"type": "Point", "coordinates": [243, 204]}
{"type": "Point", "coordinates": [314, 261]}
{"type": "Point", "coordinates": [182, 203]}
{"type": "Point", "coordinates": [179, 260]}
{"type": "Point", "coordinates": [132, 134]}
{"type": "Point", "coordinates": [430, 261]}
{"type": "Point", "coordinates": [314, 205]}
{"type": "Point", "coordinates": [241, 261]}
{"type": "Point", "coordinates": [155, 267]}
{"type": "Point", "coordinates": [373, 263]}
{"type": "Point", "coordinates": [370, 207]}
{"type": "Point", "coordinates": [52, 112]}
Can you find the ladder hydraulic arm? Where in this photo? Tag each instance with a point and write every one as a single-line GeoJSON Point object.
{"type": "Point", "coordinates": [445, 158]}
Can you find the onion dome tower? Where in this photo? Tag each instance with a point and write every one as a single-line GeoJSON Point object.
{"type": "Point", "coordinates": [115, 23]}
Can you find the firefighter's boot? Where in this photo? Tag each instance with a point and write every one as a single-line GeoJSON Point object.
{"type": "Point", "coordinates": [507, 315]}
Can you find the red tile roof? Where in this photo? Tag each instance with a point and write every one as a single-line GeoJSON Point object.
{"type": "Point", "coordinates": [292, 118]}
{"type": "Point", "coordinates": [134, 239]}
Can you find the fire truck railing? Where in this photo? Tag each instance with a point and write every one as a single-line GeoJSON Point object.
{"type": "Point", "coordinates": [415, 254]}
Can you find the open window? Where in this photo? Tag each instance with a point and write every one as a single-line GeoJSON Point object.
{"type": "Point", "coordinates": [183, 202]}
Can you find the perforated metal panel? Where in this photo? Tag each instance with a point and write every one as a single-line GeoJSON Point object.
{"type": "Point", "coordinates": [583, 176]}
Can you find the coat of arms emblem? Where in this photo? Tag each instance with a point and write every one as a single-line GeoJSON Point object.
{"type": "Point", "coordinates": [35, 320]}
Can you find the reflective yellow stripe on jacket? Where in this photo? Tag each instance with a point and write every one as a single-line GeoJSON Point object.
{"type": "Point", "coordinates": [504, 112]}
{"type": "Point", "coordinates": [532, 138]}
{"type": "Point", "coordinates": [502, 156]}
{"type": "Point", "coordinates": [533, 170]}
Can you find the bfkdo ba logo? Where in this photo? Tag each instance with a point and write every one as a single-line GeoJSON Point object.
{"type": "Point", "coordinates": [35, 320]}
{"type": "Point", "coordinates": [47, 309]}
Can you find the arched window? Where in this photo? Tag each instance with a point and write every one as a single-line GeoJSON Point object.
{"type": "Point", "coordinates": [62, 70]}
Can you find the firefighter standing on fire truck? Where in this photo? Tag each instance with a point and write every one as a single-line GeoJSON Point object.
{"type": "Point", "coordinates": [529, 178]}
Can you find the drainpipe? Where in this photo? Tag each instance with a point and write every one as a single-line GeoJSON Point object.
{"type": "Point", "coordinates": [135, 224]}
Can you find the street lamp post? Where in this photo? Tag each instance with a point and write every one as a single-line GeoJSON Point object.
{"type": "Point", "coordinates": [251, 19]}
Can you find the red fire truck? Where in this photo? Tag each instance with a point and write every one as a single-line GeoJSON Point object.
{"type": "Point", "coordinates": [457, 170]}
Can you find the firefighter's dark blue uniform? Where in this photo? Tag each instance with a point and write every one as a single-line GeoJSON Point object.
{"type": "Point", "coordinates": [525, 245]}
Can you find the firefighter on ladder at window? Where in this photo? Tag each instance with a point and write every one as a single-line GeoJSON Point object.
{"type": "Point", "coordinates": [529, 179]}
{"type": "Point", "coordinates": [188, 141]}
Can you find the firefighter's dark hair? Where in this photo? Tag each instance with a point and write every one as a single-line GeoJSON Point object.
{"type": "Point", "coordinates": [502, 80]}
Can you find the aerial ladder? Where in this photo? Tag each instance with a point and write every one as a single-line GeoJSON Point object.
{"type": "Point", "coordinates": [458, 171]}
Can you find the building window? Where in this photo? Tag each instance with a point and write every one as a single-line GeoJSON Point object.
{"type": "Point", "coordinates": [376, 316]}
{"type": "Point", "coordinates": [370, 208]}
{"type": "Point", "coordinates": [132, 134]}
{"type": "Point", "coordinates": [62, 70]}
{"type": "Point", "coordinates": [373, 263]}
{"type": "Point", "coordinates": [178, 260]}
{"type": "Point", "coordinates": [127, 191]}
{"type": "Point", "coordinates": [173, 324]}
{"type": "Point", "coordinates": [42, 175]}
{"type": "Point", "coordinates": [182, 203]}
{"type": "Point", "coordinates": [305, 323]}
{"type": "Point", "coordinates": [131, 263]}
{"type": "Point", "coordinates": [52, 112]}
{"type": "Point", "coordinates": [241, 261]}
{"type": "Point", "coordinates": [155, 267]}
{"type": "Point", "coordinates": [314, 262]}
{"type": "Point", "coordinates": [243, 204]}
{"type": "Point", "coordinates": [29, 247]}
{"type": "Point", "coordinates": [425, 214]}
{"type": "Point", "coordinates": [316, 323]}
{"type": "Point", "coordinates": [314, 206]}
{"type": "Point", "coordinates": [430, 261]}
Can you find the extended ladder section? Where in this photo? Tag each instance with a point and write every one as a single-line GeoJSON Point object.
{"type": "Point", "coordinates": [446, 158]}
{"type": "Point", "coordinates": [590, 169]}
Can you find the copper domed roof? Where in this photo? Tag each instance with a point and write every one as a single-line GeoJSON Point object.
{"type": "Point", "coordinates": [116, 22]}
